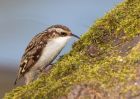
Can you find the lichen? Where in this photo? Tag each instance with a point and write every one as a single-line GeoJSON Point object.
{"type": "Point", "coordinates": [110, 66]}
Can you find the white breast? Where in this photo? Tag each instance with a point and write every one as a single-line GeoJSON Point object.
{"type": "Point", "coordinates": [50, 52]}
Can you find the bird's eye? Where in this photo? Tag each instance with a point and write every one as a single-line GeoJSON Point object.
{"type": "Point", "coordinates": [63, 33]}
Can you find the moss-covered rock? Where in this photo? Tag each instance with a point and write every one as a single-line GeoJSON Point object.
{"type": "Point", "coordinates": [107, 58]}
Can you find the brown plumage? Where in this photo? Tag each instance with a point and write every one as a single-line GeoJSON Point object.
{"type": "Point", "coordinates": [35, 48]}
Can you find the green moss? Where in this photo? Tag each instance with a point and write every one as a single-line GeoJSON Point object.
{"type": "Point", "coordinates": [106, 66]}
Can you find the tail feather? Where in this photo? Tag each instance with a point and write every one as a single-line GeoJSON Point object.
{"type": "Point", "coordinates": [18, 77]}
{"type": "Point", "coordinates": [16, 81]}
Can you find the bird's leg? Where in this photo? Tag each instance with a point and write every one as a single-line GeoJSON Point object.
{"type": "Point", "coordinates": [30, 76]}
{"type": "Point", "coordinates": [46, 68]}
{"type": "Point", "coordinates": [40, 70]}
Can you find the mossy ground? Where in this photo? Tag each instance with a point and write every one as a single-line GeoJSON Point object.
{"type": "Point", "coordinates": [104, 56]}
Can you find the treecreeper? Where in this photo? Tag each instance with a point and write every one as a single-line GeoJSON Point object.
{"type": "Point", "coordinates": [42, 50]}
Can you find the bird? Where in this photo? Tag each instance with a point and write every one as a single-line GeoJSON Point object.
{"type": "Point", "coordinates": [42, 50]}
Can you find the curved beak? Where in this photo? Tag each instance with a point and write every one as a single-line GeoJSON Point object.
{"type": "Point", "coordinates": [75, 36]}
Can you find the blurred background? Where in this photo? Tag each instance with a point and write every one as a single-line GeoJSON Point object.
{"type": "Point", "coordinates": [20, 20]}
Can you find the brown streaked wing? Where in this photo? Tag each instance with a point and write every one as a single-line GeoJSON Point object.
{"type": "Point", "coordinates": [32, 53]}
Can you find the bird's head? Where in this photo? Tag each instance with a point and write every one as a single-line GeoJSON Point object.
{"type": "Point", "coordinates": [60, 31]}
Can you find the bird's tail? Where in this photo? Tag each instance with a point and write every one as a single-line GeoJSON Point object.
{"type": "Point", "coordinates": [18, 77]}
{"type": "Point", "coordinates": [16, 81]}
